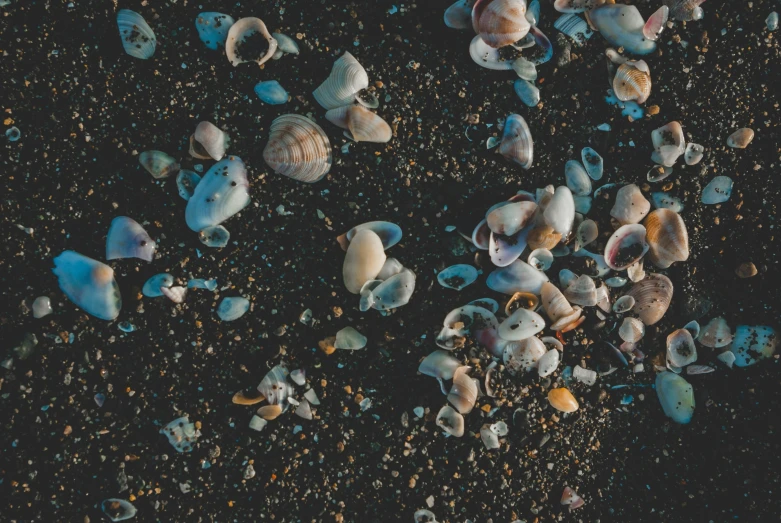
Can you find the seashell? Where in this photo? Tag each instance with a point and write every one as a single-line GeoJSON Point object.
{"type": "Point", "coordinates": [517, 144]}
{"type": "Point", "coordinates": [562, 400]}
{"type": "Point", "coordinates": [269, 412]}
{"type": "Point", "coordinates": [247, 398]}
{"type": "Point", "coordinates": [350, 339]}
{"type": "Point", "coordinates": [304, 410]}
{"type": "Point", "coordinates": [693, 153]}
{"type": "Point", "coordinates": [667, 238]}
{"type": "Point", "coordinates": [275, 388]}
{"type": "Point", "coordinates": [603, 298]}
{"type": "Point", "coordinates": [364, 260]}
{"type": "Point", "coordinates": [362, 125]}
{"type": "Point", "coordinates": [542, 236]}
{"type": "Point", "coordinates": [772, 21]}
{"type": "Point", "coordinates": [152, 286]}
{"type": "Point", "coordinates": [511, 218]}
{"type": "Point", "coordinates": [752, 344]}
{"type": "Point", "coordinates": [746, 270]}
{"type": "Point", "coordinates": [685, 10]}
{"type": "Point", "coordinates": [548, 363]}
{"type": "Point", "coordinates": [576, 6]}
{"type": "Point", "coordinates": [680, 348]}
{"type": "Point", "coordinates": [693, 327]}
{"type": "Point", "coordinates": [298, 148]}
{"type": "Point", "coordinates": [89, 284]}
{"type": "Point", "coordinates": [541, 259]}
{"type": "Point", "coordinates": [138, 39]}
{"type": "Point", "coordinates": [481, 235]}
{"type": "Point", "coordinates": [390, 234]}
{"type": "Point", "coordinates": [347, 78]}
{"type": "Point", "coordinates": [459, 15]}
{"type": "Point", "coordinates": [571, 498]}
{"type": "Point", "coordinates": [587, 233]}
{"type": "Point", "coordinates": [245, 41]}
{"type": "Point", "coordinates": [285, 44]}
{"type": "Point", "coordinates": [573, 26]}
{"type": "Point", "coordinates": [669, 143]}
{"type": "Point", "coordinates": [560, 211]}
{"type": "Point", "coordinates": [197, 150]}
{"type": "Point", "coordinates": [556, 306]}
{"type": "Point", "coordinates": [425, 516]}
{"type": "Point", "coordinates": [127, 239]}
{"type": "Point", "coordinates": [519, 276]}
{"type": "Point", "coordinates": [582, 291]}
{"type": "Point", "coordinates": [451, 421]}
{"type": "Point", "coordinates": [117, 509]}
{"type": "Point", "coordinates": [655, 24]}
{"type": "Point", "coordinates": [632, 81]}
{"type": "Point", "coordinates": [222, 192]}
{"type": "Point", "coordinates": [213, 140]}
{"type": "Point", "coordinates": [718, 190]}
{"type": "Point", "coordinates": [577, 178]}
{"type": "Point", "coordinates": [599, 261]}
{"type": "Point", "coordinates": [715, 334]}
{"type": "Point", "coordinates": [181, 434]}
{"type": "Point", "coordinates": [622, 26]}
{"type": "Point", "coordinates": [486, 56]}
{"type": "Point", "coordinates": [457, 277]}
{"type": "Point", "coordinates": [662, 200]}
{"type": "Point", "coordinates": [42, 306]}
{"type": "Point", "coordinates": [630, 206]}
{"type": "Point", "coordinates": [486, 303]}
{"type": "Point", "coordinates": [463, 393]}
{"type": "Point", "coordinates": [439, 364]}
{"type": "Point", "coordinates": [13, 134]}
{"type": "Point", "coordinates": [395, 291]}
{"type": "Point", "coordinates": [632, 330]}
{"type": "Point", "coordinates": [523, 355]}
{"type": "Point", "coordinates": [490, 438]}
{"type": "Point", "coordinates": [504, 250]}
{"type": "Point", "coordinates": [186, 182]}
{"type": "Point", "coordinates": [658, 173]}
{"type": "Point", "coordinates": [465, 320]}
{"type": "Point", "coordinates": [216, 236]}
{"type": "Point", "coordinates": [699, 369]}
{"type": "Point", "coordinates": [533, 12]}
{"type": "Point", "coordinates": [525, 69]}
{"type": "Point", "coordinates": [652, 297]}
{"type": "Point", "coordinates": [593, 163]}
{"type": "Point", "coordinates": [740, 138]}
{"type": "Point", "coordinates": [391, 267]}
{"type": "Point", "coordinates": [520, 325]}
{"type": "Point", "coordinates": [676, 396]}
{"type": "Point", "coordinates": [545, 51]}
{"type": "Point", "coordinates": [527, 92]}
{"type": "Point", "coordinates": [616, 281]}
{"type": "Point", "coordinates": [623, 304]}
{"type": "Point", "coordinates": [635, 271]}
{"type": "Point", "coordinates": [213, 28]}
{"type": "Point", "coordinates": [585, 376]}
{"type": "Point", "coordinates": [566, 278]}
{"type": "Point", "coordinates": [202, 284]}
{"type": "Point", "coordinates": [626, 246]}
{"type": "Point", "coordinates": [525, 300]}
{"type": "Point", "coordinates": [159, 164]}
{"type": "Point", "coordinates": [231, 309]}
{"type": "Point", "coordinates": [500, 22]}
{"type": "Point", "coordinates": [271, 92]}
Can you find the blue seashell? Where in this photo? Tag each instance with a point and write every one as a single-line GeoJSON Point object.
{"type": "Point", "coordinates": [202, 284]}
{"type": "Point", "coordinates": [662, 200]}
{"type": "Point", "coordinates": [186, 182]}
{"type": "Point", "coordinates": [213, 28]}
{"type": "Point", "coordinates": [216, 236]}
{"type": "Point", "coordinates": [232, 308]}
{"type": "Point", "coordinates": [138, 39]}
{"type": "Point", "coordinates": [271, 92]}
{"type": "Point", "coordinates": [717, 191]}
{"type": "Point", "coordinates": [152, 286]}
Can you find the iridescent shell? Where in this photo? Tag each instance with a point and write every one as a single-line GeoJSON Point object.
{"type": "Point", "coordinates": [89, 284]}
{"type": "Point", "coordinates": [622, 26]}
{"type": "Point", "coordinates": [517, 144]}
{"type": "Point", "coordinates": [626, 246]}
{"type": "Point", "coordinates": [242, 34]}
{"type": "Point", "coordinates": [213, 140]}
{"type": "Point", "coordinates": [298, 148]}
{"type": "Point", "coordinates": [656, 22]}
{"type": "Point", "coordinates": [451, 421]}
{"type": "Point", "coordinates": [500, 22]}
{"type": "Point", "coordinates": [213, 28]}
{"type": "Point", "coordinates": [347, 78]}
{"type": "Point", "coordinates": [667, 238]}
{"type": "Point", "coordinates": [652, 297]}
{"type": "Point", "coordinates": [138, 39]}
{"type": "Point", "coordinates": [127, 239]}
{"type": "Point", "coordinates": [361, 124]}
{"type": "Point", "coordinates": [222, 192]}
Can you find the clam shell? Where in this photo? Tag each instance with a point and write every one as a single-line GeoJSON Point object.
{"type": "Point", "coordinates": [663, 200]}
{"type": "Point", "coordinates": [715, 334]}
{"type": "Point", "coordinates": [222, 192]}
{"type": "Point", "coordinates": [635, 271]}
{"type": "Point", "coordinates": [582, 291]}
{"type": "Point", "coordinates": [511, 218]}
{"type": "Point", "coordinates": [233, 308]}
{"type": "Point", "coordinates": [587, 233]}
{"type": "Point", "coordinates": [681, 350]}
{"type": "Point", "coordinates": [241, 34]}
{"type": "Point", "coordinates": [519, 276]}
{"type": "Point", "coordinates": [186, 182]}
{"type": "Point", "coordinates": [504, 250]}
{"type": "Point", "coordinates": [451, 421]}
{"type": "Point", "coordinates": [298, 148]}
{"type": "Point", "coordinates": [772, 21]}
{"type": "Point", "coordinates": [630, 206]}
{"type": "Point", "coordinates": [523, 355]}
{"type": "Point", "coordinates": [285, 43]}
{"type": "Point", "coordinates": [718, 190]}
{"type": "Point", "coordinates": [676, 396]}
{"type": "Point", "coordinates": [213, 28]}
{"type": "Point", "coordinates": [275, 388]}
{"type": "Point", "coordinates": [152, 286]}
{"type": "Point", "coordinates": [117, 509]}
{"type": "Point", "coordinates": [571, 498]}
{"type": "Point", "coordinates": [439, 364]}
{"type": "Point", "coordinates": [658, 173]}
{"type": "Point", "coordinates": [684, 10]}
{"type": "Point", "coordinates": [616, 281]}
{"type": "Point", "coordinates": [562, 400]}
{"type": "Point", "coordinates": [667, 238]}
{"type": "Point", "coordinates": [752, 344]}
{"type": "Point", "coordinates": [577, 178]}
{"type": "Point", "coordinates": [517, 144]}
{"type": "Point", "coordinates": [459, 14]}
{"type": "Point", "coordinates": [600, 265]}
{"type": "Point", "coordinates": [593, 163]}
{"type": "Point", "coordinates": [548, 363]}
{"type": "Point", "coordinates": [632, 82]}
{"type": "Point", "coordinates": [213, 140]}
{"type": "Point", "coordinates": [576, 6]}
{"type": "Point", "coordinates": [271, 92]}
{"type": "Point", "coordinates": [158, 164]}
{"type": "Point", "coordinates": [542, 236]}
{"type": "Point", "coordinates": [520, 325]}
{"type": "Point", "coordinates": [138, 39]}
{"type": "Point", "coordinates": [457, 277]}
{"type": "Point", "coordinates": [500, 22]}
{"type": "Point", "coordinates": [181, 434]}
{"type": "Point", "coordinates": [89, 284]}
{"type": "Point", "coordinates": [468, 319]}
{"type": "Point", "coordinates": [631, 330]}
{"type": "Point", "coordinates": [573, 26]}
{"type": "Point", "coordinates": [533, 12]}
{"type": "Point", "coordinates": [127, 239]}
{"type": "Point", "coordinates": [364, 259]}
{"type": "Point", "coordinates": [669, 143]}
{"type": "Point", "coordinates": [525, 69]}
{"type": "Point", "coordinates": [347, 78]}
{"type": "Point", "coordinates": [217, 236]}
{"type": "Point", "coordinates": [527, 92]}
{"type": "Point", "coordinates": [556, 306]}
{"type": "Point", "coordinates": [560, 211]}
{"type": "Point", "coordinates": [541, 259]}
{"type": "Point", "coordinates": [655, 24]}
{"type": "Point", "coordinates": [486, 303]}
{"type": "Point", "coordinates": [652, 297]}
{"type": "Point", "coordinates": [486, 56]}
{"type": "Point", "coordinates": [362, 125]}
{"type": "Point", "coordinates": [623, 304]}
{"type": "Point", "coordinates": [525, 300]}
{"type": "Point", "coordinates": [391, 267]}
{"type": "Point", "coordinates": [626, 246]}
{"type": "Point", "coordinates": [693, 153]}
{"type": "Point", "coordinates": [481, 235]}
{"type": "Point", "coordinates": [694, 328]}
{"type": "Point", "coordinates": [395, 291]}
{"type": "Point", "coordinates": [389, 233]}
{"type": "Point", "coordinates": [622, 26]}
{"type": "Point", "coordinates": [463, 392]}
{"type": "Point", "coordinates": [349, 339]}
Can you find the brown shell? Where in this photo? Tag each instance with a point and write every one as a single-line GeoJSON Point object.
{"type": "Point", "coordinates": [270, 412]}
{"type": "Point", "coordinates": [542, 236]}
{"type": "Point", "coordinates": [500, 22]}
{"type": "Point", "coordinates": [632, 82]}
{"type": "Point", "coordinates": [299, 148]}
{"type": "Point", "coordinates": [667, 238]}
{"type": "Point", "coordinates": [362, 124]}
{"type": "Point", "coordinates": [652, 297]}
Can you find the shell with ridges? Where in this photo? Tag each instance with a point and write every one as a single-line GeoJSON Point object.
{"type": "Point", "coordinates": [523, 355]}
{"type": "Point", "coordinates": [582, 291]}
{"type": "Point", "coordinates": [500, 22]}
{"type": "Point", "coordinates": [463, 392]}
{"type": "Point", "coordinates": [667, 238]}
{"type": "Point", "coordinates": [158, 164]}
{"type": "Point", "coordinates": [652, 297]}
{"type": "Point", "coordinates": [340, 88]}
{"type": "Point", "coordinates": [517, 144]}
{"type": "Point", "coordinates": [715, 334]}
{"type": "Point", "coordinates": [361, 124]}
{"type": "Point", "coordinates": [239, 32]}
{"type": "Point", "coordinates": [556, 306]}
{"type": "Point", "coordinates": [631, 330]}
{"type": "Point", "coordinates": [138, 39]}
{"type": "Point", "coordinates": [632, 82]}
{"type": "Point", "coordinates": [298, 148]}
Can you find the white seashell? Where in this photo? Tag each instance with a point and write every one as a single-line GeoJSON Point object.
{"type": "Point", "coordinates": [525, 69]}
{"type": "Point", "coordinates": [271, 92]}
{"type": "Point", "coordinates": [631, 330]}
{"type": "Point", "coordinates": [582, 291]}
{"type": "Point", "coordinates": [42, 306]}
{"type": "Point", "coordinates": [623, 304]}
{"type": "Point", "coordinates": [389, 233]}
{"type": "Point", "coordinates": [575, 27]}
{"type": "Point", "coordinates": [603, 298]}
{"type": "Point", "coordinates": [232, 308]}
{"type": "Point", "coordinates": [520, 325]}
{"type": "Point", "coordinates": [681, 350]}
{"type": "Point", "coordinates": [693, 327]}
{"type": "Point", "coordinates": [181, 434]}
{"type": "Point", "coordinates": [693, 153]}
{"type": "Point", "coordinates": [728, 358]}
{"type": "Point", "coordinates": [630, 206]}
{"type": "Point", "coordinates": [587, 233]}
{"type": "Point", "coordinates": [504, 250]}
{"type": "Point", "coordinates": [364, 260]}
{"type": "Point", "coordinates": [662, 200]}
{"type": "Point", "coordinates": [752, 344]}
{"type": "Point", "coordinates": [127, 239]}
{"type": "Point", "coordinates": [556, 306]}
{"type": "Point", "coordinates": [138, 39]}
{"type": "Point", "coordinates": [489, 437]}
{"type": "Point", "coordinates": [548, 363]}
{"type": "Point", "coordinates": [635, 271]}
{"type": "Point", "coordinates": [715, 334]}
{"type": "Point", "coordinates": [276, 389]}
{"type": "Point", "coordinates": [676, 396]}
{"type": "Point", "coordinates": [519, 276]}
{"type": "Point", "coordinates": [527, 92]}
{"type": "Point", "coordinates": [500, 22]}
{"type": "Point", "coordinates": [439, 364]}
{"type": "Point", "coordinates": [361, 124]}
{"type": "Point", "coordinates": [459, 15]}
{"type": "Point", "coordinates": [699, 369]}
{"type": "Point", "coordinates": [153, 285]}
{"type": "Point", "coordinates": [669, 143]}
{"type": "Point", "coordinates": [311, 397]}
{"type": "Point", "coordinates": [577, 178]}
{"type": "Point", "coordinates": [517, 144]}
{"type": "Point", "coordinates": [391, 267]}
{"type": "Point", "coordinates": [652, 297]}
{"type": "Point", "coordinates": [201, 284]}
{"type": "Point", "coordinates": [772, 21]}
{"type": "Point", "coordinates": [566, 277]}
{"type": "Point", "coordinates": [593, 163]}
{"type": "Point", "coordinates": [117, 509]}
{"type": "Point", "coordinates": [511, 218]}
{"type": "Point", "coordinates": [395, 291]}
{"type": "Point", "coordinates": [285, 43]}
{"type": "Point", "coordinates": [347, 78]}
{"type": "Point", "coordinates": [717, 191]}
{"type": "Point", "coordinates": [740, 138]}
{"type": "Point", "coordinates": [304, 409]}
{"type": "Point", "coordinates": [213, 28]}
{"type": "Point", "coordinates": [452, 422]}
{"type": "Point", "coordinates": [158, 164]}
{"type": "Point", "coordinates": [541, 259]}
{"type": "Point", "coordinates": [560, 211]}
{"type": "Point", "coordinates": [349, 339]}
{"type": "Point", "coordinates": [626, 246]}
{"type": "Point", "coordinates": [457, 277]}
{"type": "Point", "coordinates": [425, 516]}
{"type": "Point", "coordinates": [186, 182]}
{"type": "Point", "coordinates": [242, 46]}
{"type": "Point", "coordinates": [656, 23]}
{"type": "Point", "coordinates": [667, 238]}
{"type": "Point", "coordinates": [468, 319]}
{"type": "Point", "coordinates": [463, 392]}
{"type": "Point", "coordinates": [622, 26]}
{"type": "Point", "coordinates": [486, 56]}
{"type": "Point", "coordinates": [586, 376]}
{"type": "Point", "coordinates": [298, 148]}
{"type": "Point", "coordinates": [89, 284]}
{"type": "Point", "coordinates": [175, 294]}
{"type": "Point", "coordinates": [216, 236]}
{"type": "Point", "coordinates": [299, 377]}
{"type": "Point", "coordinates": [523, 355]}
{"type": "Point", "coordinates": [222, 192]}
{"type": "Point", "coordinates": [213, 140]}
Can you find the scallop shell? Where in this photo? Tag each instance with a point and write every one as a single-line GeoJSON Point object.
{"type": "Point", "coordinates": [138, 39]}
{"type": "Point", "coordinates": [715, 334]}
{"type": "Point", "coordinates": [519, 276]}
{"type": "Point", "coordinates": [630, 206]}
{"type": "Point", "coordinates": [656, 22]}
{"type": "Point", "coordinates": [242, 30]}
{"type": "Point", "coordinates": [347, 78]}
{"type": "Point", "coordinates": [523, 355]}
{"type": "Point", "coordinates": [89, 284]}
{"type": "Point", "coordinates": [274, 386]}
{"type": "Point", "coordinates": [364, 260]}
{"type": "Point", "coordinates": [389, 233]}
{"type": "Point", "coordinates": [681, 350]}
{"type": "Point", "coordinates": [271, 92]}
{"type": "Point", "coordinates": [740, 138]}
{"type": "Point", "coordinates": [676, 396]}
{"type": "Point", "coordinates": [213, 140]}
{"type": "Point", "coordinates": [361, 124]}
{"type": "Point", "coordinates": [213, 28]}
{"type": "Point", "coordinates": [667, 238]}
{"type": "Point", "coordinates": [233, 308]}
{"type": "Point", "coordinates": [556, 306]}
{"type": "Point", "coordinates": [439, 364]}
{"type": "Point", "coordinates": [752, 344]}
{"type": "Point", "coordinates": [486, 56]}
{"type": "Point", "coordinates": [459, 15]}
{"type": "Point", "coordinates": [451, 421]}
{"type": "Point", "coordinates": [298, 148]}
{"type": "Point", "coordinates": [158, 164]}
{"type": "Point", "coordinates": [577, 178]}
{"type": "Point", "coordinates": [559, 214]}
{"type": "Point", "coordinates": [652, 297]}
{"type": "Point", "coordinates": [127, 239]}
{"type": "Point", "coordinates": [520, 325]}
{"type": "Point", "coordinates": [527, 92]}
{"type": "Point", "coordinates": [631, 330]}
{"type": "Point", "coordinates": [582, 291]}
{"type": "Point", "coordinates": [463, 392]}
{"type": "Point", "coordinates": [632, 82]}
{"type": "Point", "coordinates": [622, 26]}
{"type": "Point", "coordinates": [500, 22]}
{"type": "Point", "coordinates": [510, 218]}
{"type": "Point", "coordinates": [222, 192]}
{"type": "Point", "coordinates": [626, 246]}
{"type": "Point", "coordinates": [517, 144]}
{"type": "Point", "coordinates": [562, 400]}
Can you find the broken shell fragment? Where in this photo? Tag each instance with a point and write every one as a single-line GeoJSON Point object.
{"type": "Point", "coordinates": [548, 363]}
{"type": "Point", "coordinates": [525, 69]}
{"type": "Point", "coordinates": [587, 233]}
{"type": "Point", "coordinates": [349, 339]}
{"type": "Point", "coordinates": [523, 355]}
{"type": "Point", "coordinates": [593, 163]}
{"type": "Point", "coordinates": [181, 434]}
{"type": "Point", "coordinates": [439, 364]}
{"type": "Point", "coordinates": [390, 268]}
{"type": "Point", "coordinates": [394, 292]}
{"type": "Point", "coordinates": [576, 6]}
{"type": "Point", "coordinates": [364, 259]}
{"type": "Point", "coordinates": [663, 200]}
{"type": "Point", "coordinates": [275, 387]}
{"type": "Point", "coordinates": [669, 143]}
{"type": "Point", "coordinates": [715, 334]}
{"type": "Point", "coordinates": [244, 42]}
{"type": "Point", "coordinates": [562, 400]}
{"type": "Point", "coordinates": [541, 259]}
{"type": "Point", "coordinates": [520, 325]}
{"type": "Point", "coordinates": [582, 291]}
{"type": "Point", "coordinates": [681, 350]}
{"type": "Point", "coordinates": [500, 22]}
{"type": "Point", "coordinates": [631, 330]}
{"type": "Point", "coordinates": [213, 28]}
{"type": "Point", "coordinates": [685, 10]}
{"type": "Point", "coordinates": [451, 421]}
{"type": "Point", "coordinates": [138, 39]}
{"type": "Point", "coordinates": [577, 178]}
{"type": "Point", "coordinates": [459, 15]}
{"type": "Point", "coordinates": [557, 308]}
{"type": "Point", "coordinates": [693, 153]}
{"type": "Point", "coordinates": [667, 238]}
{"type": "Point", "coordinates": [457, 277]}
{"type": "Point", "coordinates": [626, 246]}
{"type": "Point", "coordinates": [271, 92]}
{"type": "Point", "coordinates": [676, 396]}
{"type": "Point", "coordinates": [630, 205]}
{"type": "Point", "coordinates": [571, 498]}
{"type": "Point", "coordinates": [574, 27]}
{"type": "Point", "coordinates": [42, 306]}
{"type": "Point", "coordinates": [657, 173]}
{"type": "Point", "coordinates": [222, 192]}
{"type": "Point", "coordinates": [361, 124]}
{"type": "Point", "coordinates": [524, 300]}
{"type": "Point", "coordinates": [622, 26]}
{"type": "Point", "coordinates": [232, 308]}
{"type": "Point", "coordinates": [746, 270]}
{"type": "Point", "coordinates": [656, 22]}
{"type": "Point", "coordinates": [489, 437]}
{"type": "Point", "coordinates": [89, 284]}
{"type": "Point", "coordinates": [248, 398]}
{"type": "Point", "coordinates": [511, 218]}
{"type": "Point", "coordinates": [304, 410]}
{"type": "Point", "coordinates": [632, 81]}
{"type": "Point", "coordinates": [652, 297]}
{"type": "Point", "coordinates": [127, 239]}
{"type": "Point", "coordinates": [186, 182]}
{"type": "Point", "coordinates": [463, 392]}
{"type": "Point", "coordinates": [517, 144]}
{"type": "Point", "coordinates": [152, 286]}
{"type": "Point", "coordinates": [528, 93]}
{"type": "Point", "coordinates": [559, 214]}
{"type": "Point", "coordinates": [717, 191]}
{"type": "Point", "coordinates": [217, 236]}
{"type": "Point", "coordinates": [298, 148]}
{"type": "Point", "coordinates": [158, 164]}
{"type": "Point", "coordinates": [347, 78]}
{"type": "Point", "coordinates": [118, 509]}
{"type": "Point", "coordinates": [269, 412]}
{"type": "Point", "coordinates": [519, 276]}
{"type": "Point", "coordinates": [752, 344]}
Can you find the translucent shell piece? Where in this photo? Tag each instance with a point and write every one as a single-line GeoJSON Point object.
{"type": "Point", "coordinates": [186, 182]}
{"type": "Point", "coordinates": [364, 259]}
{"type": "Point", "coordinates": [652, 297]}
{"type": "Point", "coordinates": [242, 46]}
{"type": "Point", "coordinates": [127, 239]}
{"type": "Point", "coordinates": [504, 250]}
{"type": "Point", "coordinates": [541, 259]}
{"type": "Point", "coordinates": [548, 363]}
{"type": "Point", "coordinates": [623, 304]}
{"type": "Point", "coordinates": [232, 308]}
{"type": "Point", "coordinates": [457, 277]}
{"type": "Point", "coordinates": [350, 339]}
{"type": "Point", "coordinates": [463, 393]}
{"type": "Point", "coordinates": [559, 214]}
{"type": "Point", "coordinates": [138, 39]}
{"type": "Point", "coordinates": [572, 499]}
{"type": "Point", "coordinates": [528, 93]}
{"type": "Point", "coordinates": [222, 192]}
{"type": "Point", "coordinates": [519, 276]}
{"type": "Point", "coordinates": [545, 47]}
{"type": "Point", "coordinates": [669, 143]}
{"type": "Point", "coordinates": [562, 400]}
{"type": "Point", "coordinates": [577, 178]}
{"type": "Point", "coordinates": [181, 434]}
{"type": "Point", "coordinates": [632, 81]}
{"type": "Point", "coordinates": [573, 26]}
{"type": "Point", "coordinates": [500, 22]}
{"type": "Point", "coordinates": [481, 235]}
{"type": "Point", "coordinates": [681, 350]}
{"type": "Point", "coordinates": [582, 291]}
{"type": "Point", "coordinates": [347, 78]}
{"type": "Point", "coordinates": [152, 286]}
{"type": "Point", "coordinates": [676, 396]}
{"type": "Point", "coordinates": [593, 163]}
{"type": "Point", "coordinates": [740, 138]}
{"type": "Point", "coordinates": [158, 164]}
{"type": "Point", "coordinates": [389, 233]}
{"type": "Point", "coordinates": [213, 28]}
{"type": "Point", "coordinates": [271, 92]}
{"type": "Point", "coordinates": [520, 325]}
{"type": "Point", "coordinates": [752, 344]}
{"type": "Point", "coordinates": [576, 6]}
{"type": "Point", "coordinates": [542, 236]}
{"type": "Point", "coordinates": [118, 509]}
{"type": "Point", "coordinates": [631, 330]}
{"type": "Point", "coordinates": [663, 200]}
{"type": "Point", "coordinates": [715, 334]}
{"type": "Point", "coordinates": [511, 218]}
{"type": "Point", "coordinates": [517, 144]}
{"type": "Point", "coordinates": [89, 284]}
{"type": "Point", "coordinates": [439, 364]}
{"type": "Point", "coordinates": [625, 246]}
{"type": "Point", "coordinates": [656, 22]}
{"type": "Point", "coordinates": [556, 306]}
{"type": "Point", "coordinates": [42, 306]}
{"type": "Point", "coordinates": [622, 26]}
{"type": "Point", "coordinates": [459, 15]}
{"type": "Point", "coordinates": [298, 148]}
{"type": "Point", "coordinates": [213, 140]}
{"type": "Point", "coordinates": [275, 388]}
{"type": "Point", "coordinates": [524, 300]}
{"type": "Point", "coordinates": [525, 69]}
{"type": "Point", "coordinates": [361, 124]}
{"type": "Point", "coordinates": [630, 205]}
{"type": "Point", "coordinates": [684, 10]}
{"type": "Point", "coordinates": [269, 412]}
{"type": "Point", "coordinates": [391, 267]}
{"type": "Point", "coordinates": [216, 236]}
{"type": "Point", "coordinates": [523, 355]}
{"type": "Point", "coordinates": [304, 410]}
{"type": "Point", "coordinates": [285, 43]}
{"type": "Point", "coordinates": [486, 56]}
{"type": "Point", "coordinates": [718, 190]}
{"type": "Point", "coordinates": [587, 233]}
{"type": "Point", "coordinates": [667, 238]}
{"type": "Point", "coordinates": [468, 319]}
{"type": "Point", "coordinates": [693, 153]}
{"type": "Point", "coordinates": [451, 420]}
{"type": "Point", "coordinates": [395, 291]}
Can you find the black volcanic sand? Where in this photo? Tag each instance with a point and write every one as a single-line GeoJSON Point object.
{"type": "Point", "coordinates": [86, 110]}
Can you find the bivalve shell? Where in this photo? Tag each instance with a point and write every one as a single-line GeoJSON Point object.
{"type": "Point", "coordinates": [715, 334]}
{"type": "Point", "coordinates": [556, 306]}
{"type": "Point", "coordinates": [577, 178]}
{"type": "Point", "coordinates": [656, 22]}
{"type": "Point", "coordinates": [500, 22]}
{"type": "Point", "coordinates": [138, 39]}
{"type": "Point", "coordinates": [347, 78]}
{"type": "Point", "coordinates": [213, 28]}
{"type": "Point", "coordinates": [459, 15]}
{"type": "Point", "coordinates": [523, 355]}
{"type": "Point", "coordinates": [511, 218]}
{"type": "Point", "coordinates": [669, 143]}
{"type": "Point", "coordinates": [222, 192]}
{"type": "Point", "coordinates": [439, 364]}
{"type": "Point", "coordinates": [667, 238]}
{"type": "Point", "coordinates": [752, 344]}
{"type": "Point", "coordinates": [520, 325]}
{"type": "Point", "coordinates": [213, 140]}
{"type": "Point", "coordinates": [652, 297]}
{"type": "Point", "coordinates": [519, 276]}
{"type": "Point", "coordinates": [463, 392]}
{"type": "Point", "coordinates": [158, 164]}
{"type": "Point", "coordinates": [298, 148]}
{"type": "Point", "coordinates": [242, 46]}
{"type": "Point", "coordinates": [457, 277]}
{"type": "Point", "coordinates": [626, 246]}
{"type": "Point", "coordinates": [562, 400]}
{"type": "Point", "coordinates": [582, 291]}
{"type": "Point", "coordinates": [271, 92]}
{"type": "Point", "coordinates": [389, 233]}
{"type": "Point", "coordinates": [630, 205]}
{"type": "Point", "coordinates": [517, 144]}
{"type": "Point", "coordinates": [622, 26]}
{"type": "Point", "coordinates": [632, 82]}
{"type": "Point", "coordinates": [631, 330]}
{"type": "Point", "coordinates": [89, 284]}
{"type": "Point", "coordinates": [364, 259]}
{"type": "Point", "coordinates": [560, 211]}
{"type": "Point", "coordinates": [361, 124]}
{"type": "Point", "coordinates": [127, 239]}
{"type": "Point", "coordinates": [527, 92]}
{"type": "Point", "coordinates": [681, 350]}
{"type": "Point", "coordinates": [676, 396]}
{"type": "Point", "coordinates": [593, 163]}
